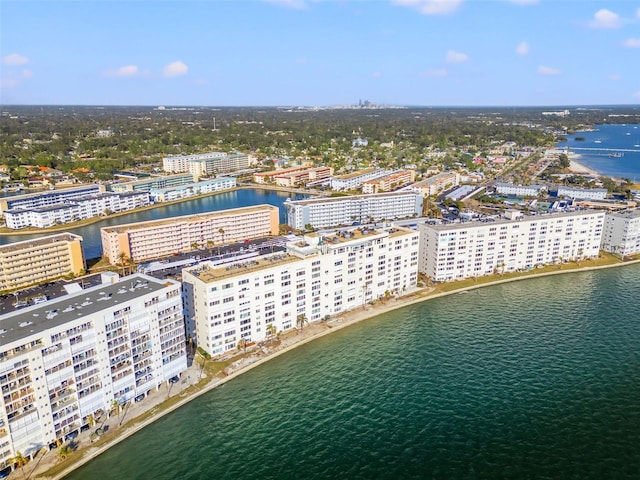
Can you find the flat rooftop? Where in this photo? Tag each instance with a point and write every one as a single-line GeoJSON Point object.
{"type": "Point", "coordinates": [39, 318]}
{"type": "Point", "coordinates": [36, 242]}
{"type": "Point", "coordinates": [502, 220]}
{"type": "Point", "coordinates": [311, 201]}
{"type": "Point", "coordinates": [187, 218]}
{"type": "Point", "coordinates": [357, 174]}
{"type": "Point", "coordinates": [211, 274]}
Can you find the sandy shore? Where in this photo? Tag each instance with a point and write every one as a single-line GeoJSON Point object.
{"type": "Point", "coordinates": [580, 169]}
{"type": "Point", "coordinates": [263, 354]}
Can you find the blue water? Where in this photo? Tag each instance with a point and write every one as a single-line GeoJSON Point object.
{"type": "Point", "coordinates": [527, 380]}
{"type": "Point", "coordinates": [92, 243]}
{"type": "Point", "coordinates": [609, 137]}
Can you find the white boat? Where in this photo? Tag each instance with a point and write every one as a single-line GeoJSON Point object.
{"type": "Point", "coordinates": [597, 141]}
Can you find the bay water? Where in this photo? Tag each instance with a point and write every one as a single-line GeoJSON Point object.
{"type": "Point", "coordinates": [92, 243]}
{"type": "Point", "coordinates": [532, 379]}
{"type": "Point", "coordinates": [603, 143]}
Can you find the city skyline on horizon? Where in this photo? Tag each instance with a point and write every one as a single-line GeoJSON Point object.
{"type": "Point", "coordinates": [314, 53]}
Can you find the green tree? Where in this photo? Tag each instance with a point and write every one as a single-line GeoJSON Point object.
{"type": "Point", "coordinates": [19, 461]}
{"type": "Point", "coordinates": [64, 452]}
{"type": "Point", "coordinates": [301, 319]}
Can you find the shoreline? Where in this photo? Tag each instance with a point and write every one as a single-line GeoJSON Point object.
{"type": "Point", "coordinates": [338, 323]}
{"type": "Point", "coordinates": [578, 168]}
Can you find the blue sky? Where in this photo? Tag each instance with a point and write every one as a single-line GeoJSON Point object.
{"type": "Point", "coordinates": [320, 52]}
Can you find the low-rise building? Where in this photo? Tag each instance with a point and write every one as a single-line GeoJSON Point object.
{"type": "Point", "coordinates": [520, 190]}
{"type": "Point", "coordinates": [270, 176]}
{"type": "Point", "coordinates": [436, 184]}
{"type": "Point", "coordinates": [352, 181]}
{"type": "Point", "coordinates": [302, 177]}
{"type": "Point", "coordinates": [49, 198]}
{"type": "Point", "coordinates": [454, 251]}
{"type": "Point", "coordinates": [582, 193]}
{"type": "Point", "coordinates": [335, 211]}
{"type": "Point", "coordinates": [389, 183]}
{"type": "Point", "coordinates": [39, 260]}
{"type": "Point", "coordinates": [621, 233]}
{"type": "Point", "coordinates": [63, 363]}
{"type": "Point", "coordinates": [319, 276]}
{"type": "Point", "coordinates": [153, 183]}
{"type": "Point", "coordinates": [157, 238]}
{"type": "Point", "coordinates": [80, 208]}
{"type": "Point", "coordinates": [192, 189]}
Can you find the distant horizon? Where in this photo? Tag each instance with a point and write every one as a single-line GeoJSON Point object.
{"type": "Point", "coordinates": [320, 53]}
{"type": "Point", "coordinates": [338, 106]}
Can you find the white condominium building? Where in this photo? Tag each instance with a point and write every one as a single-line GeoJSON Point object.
{"type": "Point", "coordinates": [206, 164]}
{"type": "Point", "coordinates": [192, 189]}
{"type": "Point", "coordinates": [582, 193]}
{"type": "Point", "coordinates": [353, 180]}
{"type": "Point", "coordinates": [472, 249]}
{"type": "Point", "coordinates": [47, 199]}
{"type": "Point", "coordinates": [336, 211]}
{"type": "Point", "coordinates": [80, 208]}
{"type": "Point", "coordinates": [148, 184]}
{"type": "Point", "coordinates": [39, 260]}
{"type": "Point", "coordinates": [520, 190]}
{"type": "Point", "coordinates": [319, 276]}
{"type": "Point", "coordinates": [158, 238]}
{"type": "Point", "coordinates": [622, 232]}
{"type": "Point", "coordinates": [298, 178]}
{"type": "Point", "coordinates": [436, 184]}
{"type": "Point", "coordinates": [63, 363]}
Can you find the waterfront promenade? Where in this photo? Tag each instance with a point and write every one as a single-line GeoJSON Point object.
{"type": "Point", "coordinates": [167, 400]}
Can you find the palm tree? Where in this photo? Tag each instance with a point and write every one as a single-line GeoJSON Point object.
{"type": "Point", "coordinates": [205, 356]}
{"type": "Point", "coordinates": [221, 232]}
{"type": "Point", "coordinates": [115, 405]}
{"type": "Point", "coordinates": [64, 452]}
{"type": "Point", "coordinates": [194, 245]}
{"type": "Point", "coordinates": [210, 246]}
{"type": "Point", "coordinates": [271, 329]}
{"type": "Point", "coordinates": [301, 320]}
{"type": "Point", "coordinates": [20, 461]}
{"type": "Point", "coordinates": [242, 344]}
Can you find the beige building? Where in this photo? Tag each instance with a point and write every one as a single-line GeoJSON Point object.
{"type": "Point", "coordinates": [158, 238]}
{"type": "Point", "coordinates": [39, 260]}
{"type": "Point", "coordinates": [302, 177]}
{"type": "Point", "coordinates": [388, 183]}
{"type": "Point", "coordinates": [437, 183]}
{"type": "Point", "coordinates": [269, 177]}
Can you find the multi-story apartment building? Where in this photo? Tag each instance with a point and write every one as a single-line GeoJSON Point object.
{"type": "Point", "coordinates": [269, 177]}
{"type": "Point", "coordinates": [320, 275]}
{"type": "Point", "coordinates": [302, 177]}
{"type": "Point", "coordinates": [39, 260]}
{"type": "Point", "coordinates": [47, 199]}
{"type": "Point", "coordinates": [88, 206]}
{"type": "Point", "coordinates": [621, 233]}
{"type": "Point", "coordinates": [351, 181]}
{"type": "Point", "coordinates": [63, 363]}
{"type": "Point", "coordinates": [520, 190]}
{"type": "Point", "coordinates": [582, 193]}
{"type": "Point", "coordinates": [206, 163]}
{"type": "Point", "coordinates": [192, 189]}
{"type": "Point", "coordinates": [335, 211]}
{"type": "Point", "coordinates": [455, 251]}
{"type": "Point", "coordinates": [158, 238]}
{"type": "Point", "coordinates": [436, 184]}
{"type": "Point", "coordinates": [151, 183]}
{"type": "Point", "coordinates": [389, 182]}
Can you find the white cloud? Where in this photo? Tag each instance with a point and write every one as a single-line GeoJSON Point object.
{"type": "Point", "coordinates": [376, 74]}
{"type": "Point", "coordinates": [638, 12]}
{"type": "Point", "coordinates": [614, 77]}
{"type": "Point", "coordinates": [14, 79]}
{"type": "Point", "coordinates": [431, 7]}
{"type": "Point", "coordinates": [631, 43]}
{"type": "Point", "coordinates": [456, 57]}
{"type": "Point", "coordinates": [525, 2]}
{"type": "Point", "coordinates": [175, 69]}
{"type": "Point", "coordinates": [127, 71]}
{"type": "Point", "coordinates": [439, 72]}
{"type": "Point", "coordinates": [604, 18]}
{"type": "Point", "coordinates": [27, 73]}
{"type": "Point", "coordinates": [522, 48]}
{"type": "Point", "coordinates": [292, 4]}
{"type": "Point", "coordinates": [637, 94]}
{"type": "Point", "coordinates": [14, 60]}
{"type": "Point", "coordinates": [542, 70]}
{"type": "Point", "coordinates": [301, 61]}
